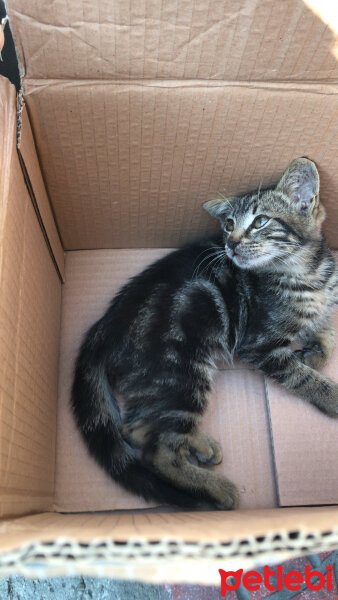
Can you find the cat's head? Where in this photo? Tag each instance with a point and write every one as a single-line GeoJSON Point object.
{"type": "Point", "coordinates": [273, 227]}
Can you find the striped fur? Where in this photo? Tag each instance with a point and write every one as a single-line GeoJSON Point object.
{"type": "Point", "coordinates": [268, 281]}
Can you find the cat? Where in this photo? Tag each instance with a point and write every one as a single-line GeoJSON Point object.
{"type": "Point", "coordinates": [266, 281]}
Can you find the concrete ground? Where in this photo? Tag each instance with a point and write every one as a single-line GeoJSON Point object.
{"type": "Point", "coordinates": [77, 588]}
{"type": "Point", "coordinates": [90, 588]}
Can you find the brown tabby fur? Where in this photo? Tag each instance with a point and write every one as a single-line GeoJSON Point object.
{"type": "Point", "coordinates": [268, 282]}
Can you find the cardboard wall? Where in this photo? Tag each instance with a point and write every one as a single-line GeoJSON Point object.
{"type": "Point", "coordinates": [129, 166]}
{"type": "Point", "coordinates": [142, 111]}
{"type": "Point", "coordinates": [30, 298]}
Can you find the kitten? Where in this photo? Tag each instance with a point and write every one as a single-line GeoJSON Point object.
{"type": "Point", "coordinates": [269, 280]}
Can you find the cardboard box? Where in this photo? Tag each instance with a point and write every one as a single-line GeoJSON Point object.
{"type": "Point", "coordinates": [133, 116]}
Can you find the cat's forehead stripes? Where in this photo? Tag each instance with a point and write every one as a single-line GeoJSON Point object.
{"type": "Point", "coordinates": [247, 205]}
{"type": "Point", "coordinates": [244, 211]}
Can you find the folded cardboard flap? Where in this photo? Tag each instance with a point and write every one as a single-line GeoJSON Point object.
{"type": "Point", "coordinates": [228, 40]}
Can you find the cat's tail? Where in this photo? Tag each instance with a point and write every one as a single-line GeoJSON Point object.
{"type": "Point", "coordinates": [98, 417]}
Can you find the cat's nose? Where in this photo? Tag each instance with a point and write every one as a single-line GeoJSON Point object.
{"type": "Point", "coordinates": [233, 244]}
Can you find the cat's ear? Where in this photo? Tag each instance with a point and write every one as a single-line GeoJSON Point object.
{"type": "Point", "coordinates": [300, 183]}
{"type": "Point", "coordinates": [217, 208]}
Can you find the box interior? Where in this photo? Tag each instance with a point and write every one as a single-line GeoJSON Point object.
{"type": "Point", "coordinates": [132, 119]}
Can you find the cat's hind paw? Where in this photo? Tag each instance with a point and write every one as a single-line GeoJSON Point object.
{"type": "Point", "coordinates": [205, 448]}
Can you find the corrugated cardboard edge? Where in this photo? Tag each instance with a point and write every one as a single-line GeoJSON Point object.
{"type": "Point", "coordinates": [157, 557]}
{"type": "Point", "coordinates": [37, 191]}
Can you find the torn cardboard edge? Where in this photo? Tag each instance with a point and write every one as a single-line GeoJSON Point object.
{"type": "Point", "coordinates": [21, 69]}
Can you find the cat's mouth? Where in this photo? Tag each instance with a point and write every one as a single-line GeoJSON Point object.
{"type": "Point", "coordinates": [237, 256]}
{"type": "Point", "coordinates": [248, 261]}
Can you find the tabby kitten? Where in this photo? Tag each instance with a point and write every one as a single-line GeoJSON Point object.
{"type": "Point", "coordinates": [268, 281]}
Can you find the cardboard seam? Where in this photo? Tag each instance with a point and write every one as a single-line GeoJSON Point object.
{"type": "Point", "coordinates": [38, 214]}
{"type": "Point", "coordinates": [272, 445]}
{"type": "Point", "coordinates": [304, 86]}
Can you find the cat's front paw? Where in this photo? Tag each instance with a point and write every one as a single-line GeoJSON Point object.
{"type": "Point", "coordinates": [312, 356]}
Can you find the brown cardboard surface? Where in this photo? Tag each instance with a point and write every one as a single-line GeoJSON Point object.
{"type": "Point", "coordinates": [29, 156]}
{"type": "Point", "coordinates": [130, 165]}
{"type": "Point", "coordinates": [305, 446]}
{"type": "Point", "coordinates": [29, 333]}
{"type": "Point", "coordinates": [237, 414]}
{"type": "Point", "coordinates": [191, 527]}
{"type": "Point", "coordinates": [225, 39]}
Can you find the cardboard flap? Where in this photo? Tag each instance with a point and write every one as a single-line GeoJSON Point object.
{"type": "Point", "coordinates": [227, 39]}
{"type": "Point", "coordinates": [162, 547]}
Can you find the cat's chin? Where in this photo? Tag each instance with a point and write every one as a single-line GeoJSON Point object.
{"type": "Point", "coordinates": [255, 262]}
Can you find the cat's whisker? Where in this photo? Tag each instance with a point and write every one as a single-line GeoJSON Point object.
{"type": "Point", "coordinates": [209, 249]}
{"type": "Point", "coordinates": [206, 267]}
{"type": "Point", "coordinates": [218, 265]}
{"type": "Point", "coordinates": [213, 264]}
{"type": "Point", "coordinates": [196, 272]}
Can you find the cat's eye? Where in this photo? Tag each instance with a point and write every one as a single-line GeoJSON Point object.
{"type": "Point", "coordinates": [229, 225]}
{"type": "Point", "coordinates": [260, 221]}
